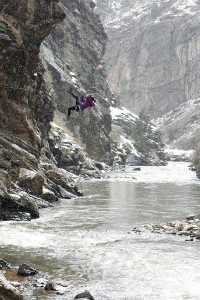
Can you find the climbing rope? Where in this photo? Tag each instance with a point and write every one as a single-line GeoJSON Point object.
{"type": "Point", "coordinates": [9, 87]}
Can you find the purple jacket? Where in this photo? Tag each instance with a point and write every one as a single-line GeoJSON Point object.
{"type": "Point", "coordinates": [86, 101]}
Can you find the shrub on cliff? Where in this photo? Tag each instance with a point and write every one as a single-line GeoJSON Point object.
{"type": "Point", "coordinates": [147, 139]}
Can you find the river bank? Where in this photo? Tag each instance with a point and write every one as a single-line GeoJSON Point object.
{"type": "Point", "coordinates": [88, 242]}
{"type": "Point", "coordinates": [188, 228]}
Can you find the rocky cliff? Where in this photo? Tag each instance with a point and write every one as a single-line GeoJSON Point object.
{"type": "Point", "coordinates": [153, 52]}
{"type": "Point", "coordinates": [138, 141]}
{"type": "Point", "coordinates": [181, 126]}
{"type": "Point", "coordinates": [73, 59]}
{"type": "Point", "coordinates": [28, 173]}
{"type": "Point", "coordinates": [37, 154]}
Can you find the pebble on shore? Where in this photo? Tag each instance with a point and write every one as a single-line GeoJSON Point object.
{"type": "Point", "coordinates": [190, 228]}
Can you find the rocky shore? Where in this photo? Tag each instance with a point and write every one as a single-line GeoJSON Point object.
{"type": "Point", "coordinates": [18, 282]}
{"type": "Point", "coordinates": [188, 228]}
{"type": "Point", "coordinates": [22, 199]}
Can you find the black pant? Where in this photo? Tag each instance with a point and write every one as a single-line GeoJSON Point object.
{"type": "Point", "coordinates": [74, 107]}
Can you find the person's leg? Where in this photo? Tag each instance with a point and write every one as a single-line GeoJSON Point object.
{"type": "Point", "coordinates": [76, 97]}
{"type": "Point", "coordinates": [70, 109]}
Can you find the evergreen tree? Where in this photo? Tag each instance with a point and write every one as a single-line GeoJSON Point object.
{"type": "Point", "coordinates": [147, 139]}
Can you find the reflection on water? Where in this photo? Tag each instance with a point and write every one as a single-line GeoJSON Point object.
{"type": "Point", "coordinates": [88, 243]}
{"type": "Point", "coordinates": [141, 202]}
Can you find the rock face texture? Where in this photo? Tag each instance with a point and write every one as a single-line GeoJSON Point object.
{"type": "Point", "coordinates": [153, 52]}
{"type": "Point", "coordinates": [73, 59]}
{"type": "Point", "coordinates": [8, 291]}
{"type": "Point", "coordinates": [139, 141]}
{"type": "Point", "coordinates": [25, 109]}
{"type": "Point", "coordinates": [34, 161]}
{"type": "Point", "coordinates": [181, 126]}
{"type": "Point", "coordinates": [22, 29]}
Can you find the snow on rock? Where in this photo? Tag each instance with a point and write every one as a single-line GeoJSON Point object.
{"type": "Point", "coordinates": [153, 52]}
{"type": "Point", "coordinates": [123, 120]}
{"type": "Point", "coordinates": [180, 126]}
{"type": "Point", "coordinates": [123, 133]}
{"type": "Point", "coordinates": [179, 155]}
{"type": "Point", "coordinates": [63, 69]}
{"type": "Point", "coordinates": [120, 13]}
{"type": "Point", "coordinates": [70, 156]}
{"type": "Point", "coordinates": [117, 112]}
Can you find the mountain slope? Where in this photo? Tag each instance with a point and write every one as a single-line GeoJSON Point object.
{"type": "Point", "coordinates": [153, 53]}
{"type": "Point", "coordinates": [73, 59]}
{"type": "Point", "coordinates": [36, 156]}
{"type": "Point", "coordinates": [181, 126]}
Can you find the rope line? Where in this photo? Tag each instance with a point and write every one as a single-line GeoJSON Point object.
{"type": "Point", "coordinates": [9, 87]}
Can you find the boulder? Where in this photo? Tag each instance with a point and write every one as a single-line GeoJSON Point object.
{"type": "Point", "coordinates": [198, 236]}
{"type": "Point", "coordinates": [84, 295]}
{"type": "Point", "coordinates": [14, 216]}
{"type": "Point", "coordinates": [31, 180]}
{"type": "Point", "coordinates": [60, 179]}
{"type": "Point", "coordinates": [4, 264]}
{"type": "Point", "coordinates": [137, 169]}
{"type": "Point", "coordinates": [65, 194]}
{"type": "Point", "coordinates": [25, 270]}
{"type": "Point", "coordinates": [23, 202]}
{"type": "Point", "coordinates": [8, 291]}
{"type": "Point", "coordinates": [5, 178]}
{"type": "Point", "coordinates": [49, 195]}
{"type": "Point", "coordinates": [179, 226]}
{"type": "Point", "coordinates": [50, 286]}
{"type": "Point", "coordinates": [191, 217]}
{"type": "Point", "coordinates": [17, 205]}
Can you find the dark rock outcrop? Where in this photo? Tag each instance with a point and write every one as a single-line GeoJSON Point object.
{"type": "Point", "coordinates": [26, 270]}
{"type": "Point", "coordinates": [8, 291]}
{"type": "Point", "coordinates": [23, 28]}
{"type": "Point", "coordinates": [4, 264]}
{"type": "Point", "coordinates": [84, 295]}
{"type": "Point", "coordinates": [26, 108]}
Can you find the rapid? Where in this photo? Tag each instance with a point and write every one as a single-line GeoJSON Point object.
{"type": "Point", "coordinates": [87, 243]}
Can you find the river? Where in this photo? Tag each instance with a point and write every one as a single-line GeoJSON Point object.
{"type": "Point", "coordinates": [87, 243]}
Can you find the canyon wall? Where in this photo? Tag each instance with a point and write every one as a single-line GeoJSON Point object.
{"type": "Point", "coordinates": [48, 50]}
{"type": "Point", "coordinates": [29, 178]}
{"type": "Point", "coordinates": [73, 59]}
{"type": "Point", "coordinates": [153, 52]}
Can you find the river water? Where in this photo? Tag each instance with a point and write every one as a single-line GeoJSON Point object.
{"type": "Point", "coordinates": [88, 243]}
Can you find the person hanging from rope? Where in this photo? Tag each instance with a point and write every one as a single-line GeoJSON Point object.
{"type": "Point", "coordinates": [82, 102]}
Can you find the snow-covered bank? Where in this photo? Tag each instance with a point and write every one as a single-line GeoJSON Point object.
{"type": "Point", "coordinates": [179, 154]}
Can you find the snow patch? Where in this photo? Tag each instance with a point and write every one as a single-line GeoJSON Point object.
{"type": "Point", "coordinates": [156, 10]}
{"type": "Point", "coordinates": [55, 62]}
{"type": "Point", "coordinates": [179, 152]}
{"type": "Point", "coordinates": [121, 113]}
